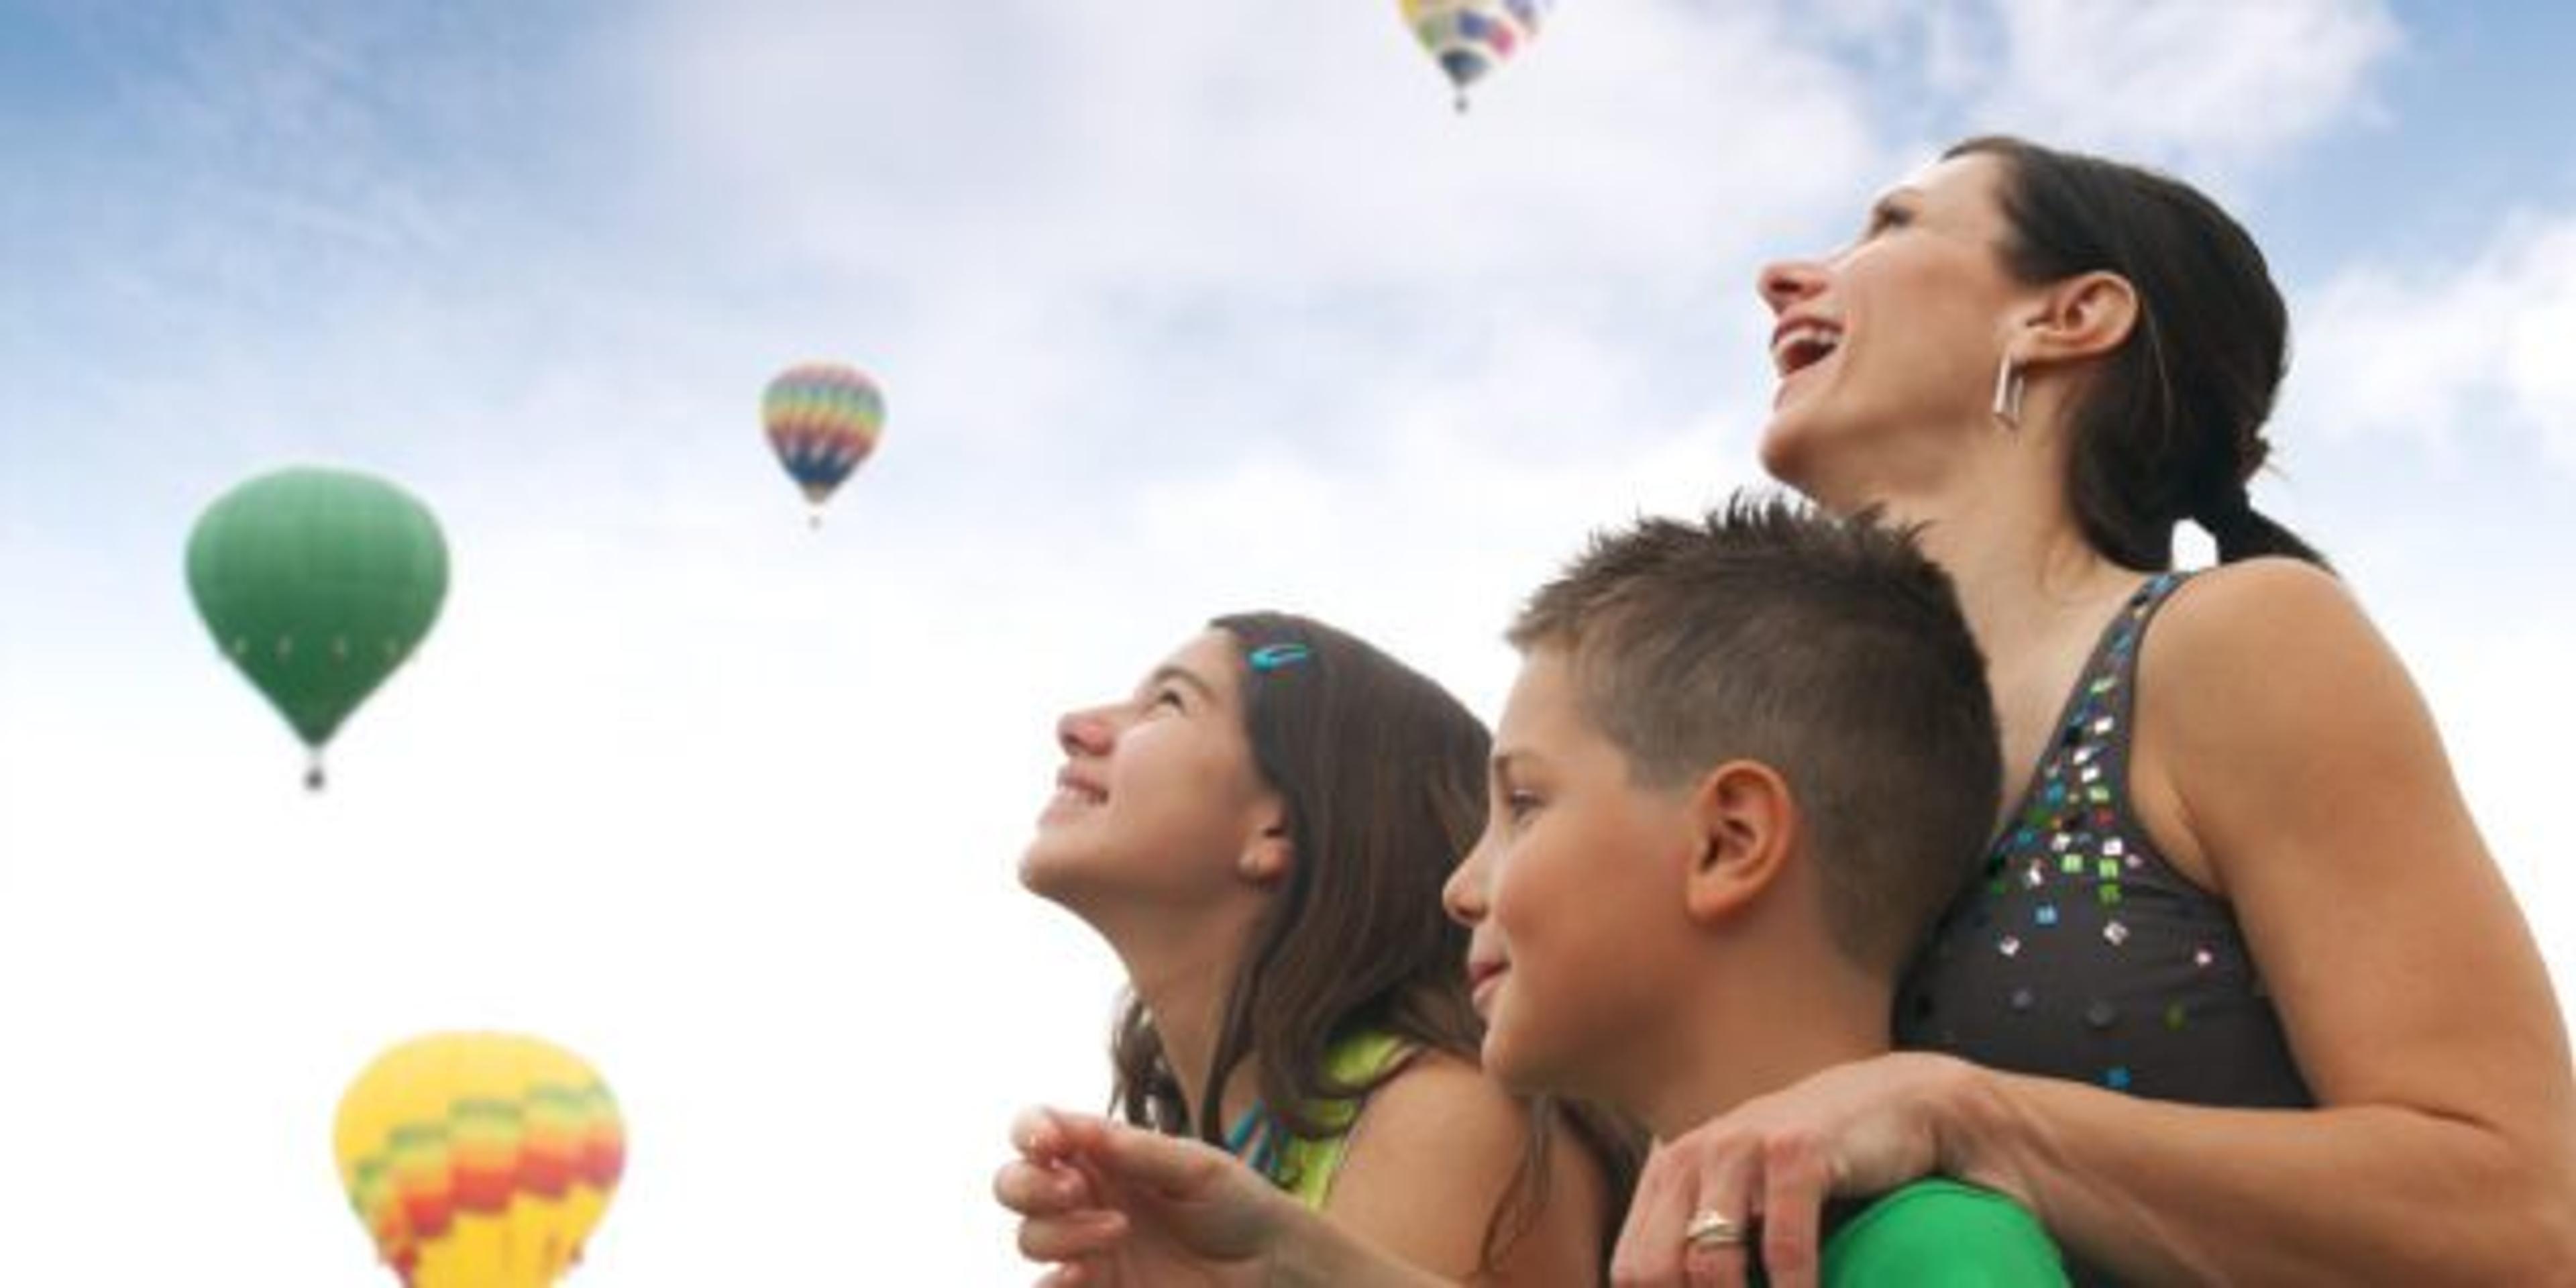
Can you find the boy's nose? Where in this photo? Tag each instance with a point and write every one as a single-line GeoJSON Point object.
{"type": "Point", "coordinates": [1463, 895]}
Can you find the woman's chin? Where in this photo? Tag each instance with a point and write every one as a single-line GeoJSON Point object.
{"type": "Point", "coordinates": [1787, 454]}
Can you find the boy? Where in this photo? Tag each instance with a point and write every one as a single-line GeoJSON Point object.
{"type": "Point", "coordinates": [1746, 763]}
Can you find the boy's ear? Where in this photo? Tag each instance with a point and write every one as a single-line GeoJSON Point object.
{"type": "Point", "coordinates": [1747, 825]}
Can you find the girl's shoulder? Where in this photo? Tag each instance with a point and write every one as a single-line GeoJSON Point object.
{"type": "Point", "coordinates": [1438, 1106]}
{"type": "Point", "coordinates": [1443, 1091]}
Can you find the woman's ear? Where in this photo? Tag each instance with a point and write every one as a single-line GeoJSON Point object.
{"type": "Point", "coordinates": [2083, 316]}
{"type": "Point", "coordinates": [1746, 823]}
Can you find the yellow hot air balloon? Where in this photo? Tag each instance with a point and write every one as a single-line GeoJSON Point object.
{"type": "Point", "coordinates": [479, 1160]}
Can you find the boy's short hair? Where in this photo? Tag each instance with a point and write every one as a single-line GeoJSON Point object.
{"type": "Point", "coordinates": [1828, 649]}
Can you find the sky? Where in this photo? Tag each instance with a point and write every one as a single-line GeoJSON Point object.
{"type": "Point", "coordinates": [1180, 308]}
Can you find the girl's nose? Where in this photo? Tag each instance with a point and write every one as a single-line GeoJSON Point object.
{"type": "Point", "coordinates": [1087, 732]}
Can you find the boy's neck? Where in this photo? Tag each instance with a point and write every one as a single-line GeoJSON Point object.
{"type": "Point", "coordinates": [1761, 1035]}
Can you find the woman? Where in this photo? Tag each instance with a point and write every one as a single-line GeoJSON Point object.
{"type": "Point", "coordinates": [1261, 832]}
{"type": "Point", "coordinates": [2242, 996]}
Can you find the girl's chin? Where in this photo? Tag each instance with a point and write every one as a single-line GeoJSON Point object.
{"type": "Point", "coordinates": [1044, 872]}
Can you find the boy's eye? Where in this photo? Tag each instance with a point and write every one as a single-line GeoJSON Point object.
{"type": "Point", "coordinates": [1884, 217]}
{"type": "Point", "coordinates": [1519, 805]}
{"type": "Point", "coordinates": [1165, 697]}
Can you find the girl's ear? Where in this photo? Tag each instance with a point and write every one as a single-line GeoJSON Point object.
{"type": "Point", "coordinates": [1748, 828]}
{"type": "Point", "coordinates": [1268, 853]}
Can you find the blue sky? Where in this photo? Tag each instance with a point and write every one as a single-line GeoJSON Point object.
{"type": "Point", "coordinates": [1180, 308]}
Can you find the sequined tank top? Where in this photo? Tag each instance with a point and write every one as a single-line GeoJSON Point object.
{"type": "Point", "coordinates": [2079, 952]}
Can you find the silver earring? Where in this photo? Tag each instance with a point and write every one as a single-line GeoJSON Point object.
{"type": "Point", "coordinates": [2008, 386]}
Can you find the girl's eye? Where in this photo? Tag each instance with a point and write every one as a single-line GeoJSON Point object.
{"type": "Point", "coordinates": [1519, 805]}
{"type": "Point", "coordinates": [1883, 218]}
{"type": "Point", "coordinates": [1166, 697]}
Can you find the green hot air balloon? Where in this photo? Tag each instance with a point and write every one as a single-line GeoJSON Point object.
{"type": "Point", "coordinates": [317, 584]}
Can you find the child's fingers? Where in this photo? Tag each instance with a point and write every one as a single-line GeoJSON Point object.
{"type": "Point", "coordinates": [1172, 1166]}
{"type": "Point", "coordinates": [1049, 1134]}
{"type": "Point", "coordinates": [1069, 1238]}
{"type": "Point", "coordinates": [1036, 1133]}
{"type": "Point", "coordinates": [1039, 1189]}
{"type": "Point", "coordinates": [1072, 1274]}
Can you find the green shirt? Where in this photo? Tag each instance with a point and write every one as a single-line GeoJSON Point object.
{"type": "Point", "coordinates": [1307, 1167]}
{"type": "Point", "coordinates": [1941, 1234]}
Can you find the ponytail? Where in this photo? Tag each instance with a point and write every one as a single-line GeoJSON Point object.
{"type": "Point", "coordinates": [2243, 532]}
{"type": "Point", "coordinates": [2170, 425]}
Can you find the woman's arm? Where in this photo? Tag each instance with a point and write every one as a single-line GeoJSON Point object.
{"type": "Point", "coordinates": [2283, 746]}
{"type": "Point", "coordinates": [2283, 750]}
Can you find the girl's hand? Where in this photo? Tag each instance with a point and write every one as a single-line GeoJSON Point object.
{"type": "Point", "coordinates": [1113, 1206]}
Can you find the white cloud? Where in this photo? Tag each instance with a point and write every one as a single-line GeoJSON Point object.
{"type": "Point", "coordinates": [2426, 350]}
{"type": "Point", "coordinates": [2210, 87]}
{"type": "Point", "coordinates": [1219, 144]}
{"type": "Point", "coordinates": [2211, 80]}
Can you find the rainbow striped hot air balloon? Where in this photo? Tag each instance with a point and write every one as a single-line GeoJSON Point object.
{"type": "Point", "coordinates": [1469, 38]}
{"type": "Point", "coordinates": [823, 419]}
{"type": "Point", "coordinates": [479, 1160]}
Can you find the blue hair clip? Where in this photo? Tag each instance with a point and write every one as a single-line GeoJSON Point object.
{"type": "Point", "coordinates": [1271, 657]}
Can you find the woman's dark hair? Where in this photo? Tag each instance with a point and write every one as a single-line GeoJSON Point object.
{"type": "Point", "coordinates": [2171, 427]}
{"type": "Point", "coordinates": [1382, 775]}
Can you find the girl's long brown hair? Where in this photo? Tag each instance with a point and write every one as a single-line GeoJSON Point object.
{"type": "Point", "coordinates": [1382, 774]}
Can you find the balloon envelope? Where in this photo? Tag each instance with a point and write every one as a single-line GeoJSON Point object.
{"type": "Point", "coordinates": [317, 583]}
{"type": "Point", "coordinates": [479, 1160]}
{"type": "Point", "coordinates": [823, 419]}
{"type": "Point", "coordinates": [1469, 38]}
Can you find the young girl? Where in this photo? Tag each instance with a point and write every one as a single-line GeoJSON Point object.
{"type": "Point", "coordinates": [1261, 831]}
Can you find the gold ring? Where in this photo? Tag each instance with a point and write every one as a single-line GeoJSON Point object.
{"type": "Point", "coordinates": [1710, 1228]}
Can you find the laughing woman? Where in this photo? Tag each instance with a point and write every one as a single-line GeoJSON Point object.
{"type": "Point", "coordinates": [1261, 831]}
{"type": "Point", "coordinates": [2240, 996]}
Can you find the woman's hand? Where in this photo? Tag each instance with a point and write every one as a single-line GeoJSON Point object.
{"type": "Point", "coordinates": [1769, 1165]}
{"type": "Point", "coordinates": [1112, 1206]}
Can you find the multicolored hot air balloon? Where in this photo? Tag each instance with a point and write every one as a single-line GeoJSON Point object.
{"type": "Point", "coordinates": [1469, 38]}
{"type": "Point", "coordinates": [317, 584]}
{"type": "Point", "coordinates": [479, 1160]}
{"type": "Point", "coordinates": [823, 418]}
